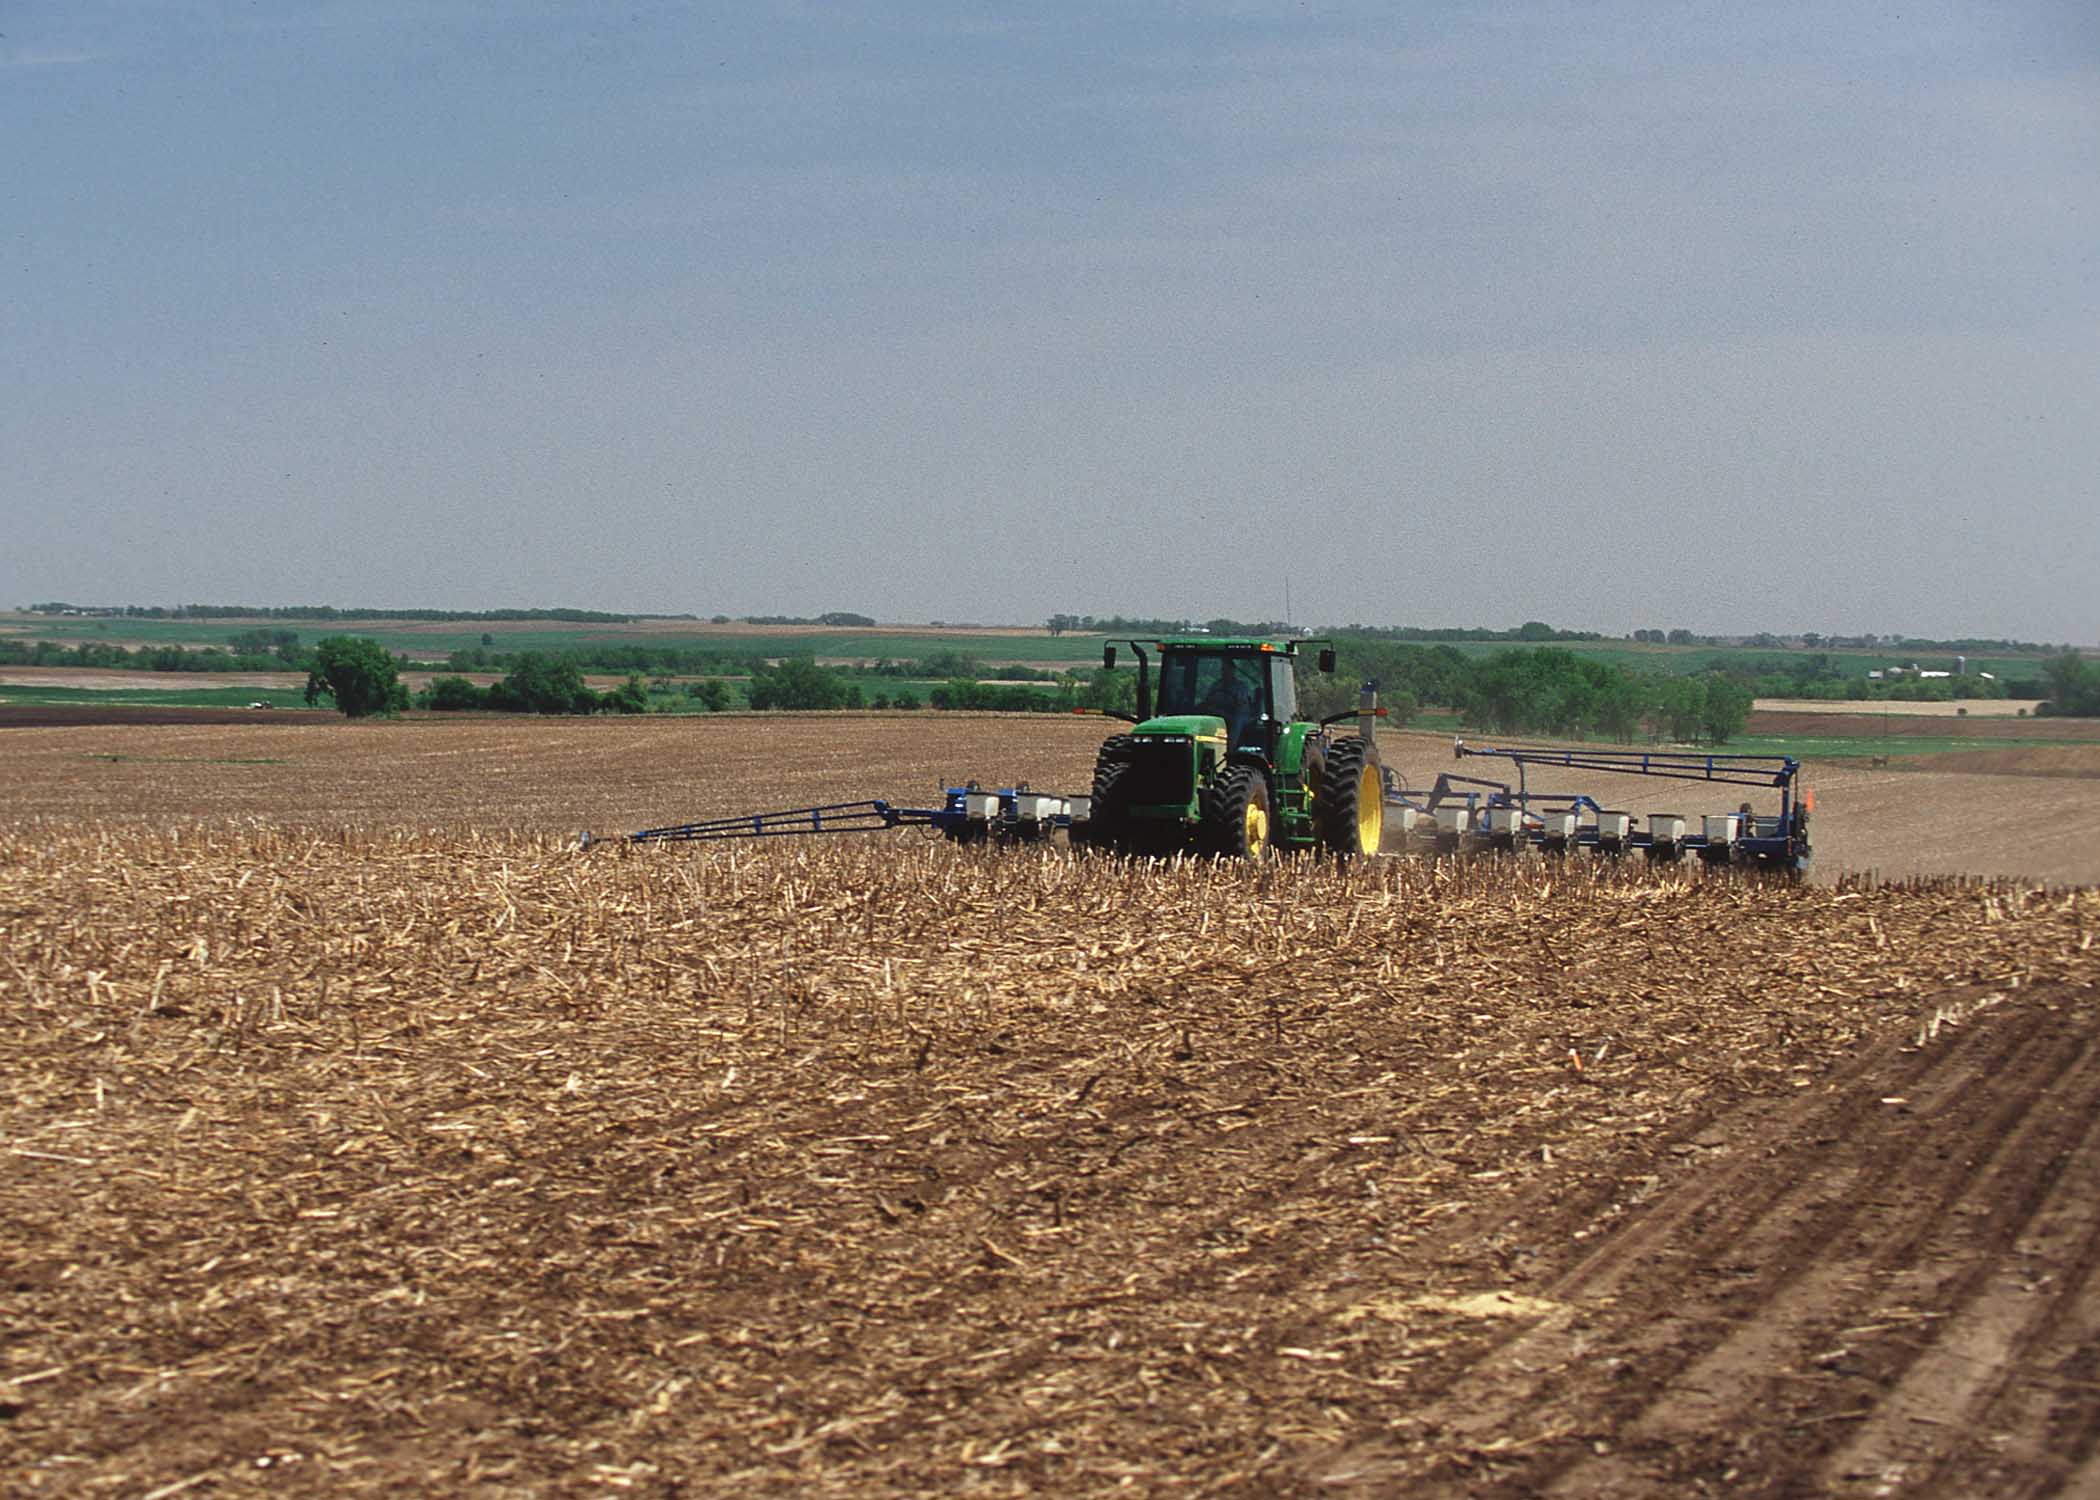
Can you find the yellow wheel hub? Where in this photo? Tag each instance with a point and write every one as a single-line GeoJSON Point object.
{"type": "Point", "coordinates": [1370, 811]}
{"type": "Point", "coordinates": [1257, 829]}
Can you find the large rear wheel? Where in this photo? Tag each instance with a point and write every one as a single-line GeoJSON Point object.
{"type": "Point", "coordinates": [1236, 813]}
{"type": "Point", "coordinates": [1350, 805]}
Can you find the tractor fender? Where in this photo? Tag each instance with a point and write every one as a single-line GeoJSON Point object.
{"type": "Point", "coordinates": [1298, 748]}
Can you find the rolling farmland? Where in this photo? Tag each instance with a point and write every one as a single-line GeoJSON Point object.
{"type": "Point", "coordinates": [363, 1136]}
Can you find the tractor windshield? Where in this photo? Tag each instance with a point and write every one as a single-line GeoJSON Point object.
{"type": "Point", "coordinates": [1228, 687]}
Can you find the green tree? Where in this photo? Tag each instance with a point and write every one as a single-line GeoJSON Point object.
{"type": "Point", "coordinates": [2074, 686]}
{"type": "Point", "coordinates": [1727, 709]}
{"type": "Point", "coordinates": [1426, 674]}
{"type": "Point", "coordinates": [1399, 706]}
{"type": "Point", "coordinates": [712, 694]}
{"type": "Point", "coordinates": [540, 684]}
{"type": "Point", "coordinates": [1321, 694]}
{"type": "Point", "coordinates": [1622, 704]}
{"type": "Point", "coordinates": [1680, 707]}
{"type": "Point", "coordinates": [965, 694]}
{"type": "Point", "coordinates": [1549, 690]}
{"type": "Point", "coordinates": [1110, 690]}
{"type": "Point", "coordinates": [630, 697]}
{"type": "Point", "coordinates": [358, 675]}
{"type": "Point", "coordinates": [261, 642]}
{"type": "Point", "coordinates": [451, 694]}
{"type": "Point", "coordinates": [798, 682]}
{"type": "Point", "coordinates": [949, 664]}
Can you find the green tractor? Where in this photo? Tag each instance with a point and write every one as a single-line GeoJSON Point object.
{"type": "Point", "coordinates": [1221, 762]}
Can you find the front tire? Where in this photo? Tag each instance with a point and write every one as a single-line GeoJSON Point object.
{"type": "Point", "coordinates": [1106, 824]}
{"type": "Point", "coordinates": [1350, 807]}
{"type": "Point", "coordinates": [1236, 814]}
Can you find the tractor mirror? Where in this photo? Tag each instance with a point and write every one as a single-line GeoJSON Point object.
{"type": "Point", "coordinates": [1108, 657]}
{"type": "Point", "coordinates": [1327, 659]}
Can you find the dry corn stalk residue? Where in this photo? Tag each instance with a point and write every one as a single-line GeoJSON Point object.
{"type": "Point", "coordinates": [368, 1160]}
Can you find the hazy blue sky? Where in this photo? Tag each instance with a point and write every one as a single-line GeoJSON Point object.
{"type": "Point", "coordinates": [1733, 317]}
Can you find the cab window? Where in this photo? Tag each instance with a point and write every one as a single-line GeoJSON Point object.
{"type": "Point", "coordinates": [1187, 681]}
{"type": "Point", "coordinates": [1283, 690]}
{"type": "Point", "coordinates": [1232, 688]}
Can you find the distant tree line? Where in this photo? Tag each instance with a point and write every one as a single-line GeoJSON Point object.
{"type": "Point", "coordinates": [1546, 691]}
{"type": "Point", "coordinates": [1060, 624]}
{"type": "Point", "coordinates": [362, 679]}
{"type": "Point", "coordinates": [1530, 630]}
{"type": "Point", "coordinates": [537, 683]}
{"type": "Point", "coordinates": [1819, 677]}
{"type": "Point", "coordinates": [233, 657]}
{"type": "Point", "coordinates": [642, 657]}
{"type": "Point", "coordinates": [683, 661]}
{"type": "Point", "coordinates": [329, 612]}
{"type": "Point", "coordinates": [1811, 640]}
{"type": "Point", "coordinates": [837, 617]}
{"type": "Point", "coordinates": [1121, 625]}
{"type": "Point", "coordinates": [1125, 625]}
{"type": "Point", "coordinates": [1551, 690]}
{"type": "Point", "coordinates": [800, 682]}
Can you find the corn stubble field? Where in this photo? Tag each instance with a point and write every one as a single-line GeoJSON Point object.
{"type": "Point", "coordinates": [363, 1136]}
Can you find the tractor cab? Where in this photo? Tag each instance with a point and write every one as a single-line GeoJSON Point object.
{"type": "Point", "coordinates": [1249, 686]}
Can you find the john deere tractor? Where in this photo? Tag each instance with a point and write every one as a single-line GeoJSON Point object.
{"type": "Point", "coordinates": [1220, 761]}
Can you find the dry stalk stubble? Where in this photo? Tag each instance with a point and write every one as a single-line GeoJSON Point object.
{"type": "Point", "coordinates": [349, 1160]}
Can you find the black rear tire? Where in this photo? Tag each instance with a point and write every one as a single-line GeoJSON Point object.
{"type": "Point", "coordinates": [1349, 807]}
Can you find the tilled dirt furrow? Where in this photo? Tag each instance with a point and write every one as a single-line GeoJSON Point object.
{"type": "Point", "coordinates": [2001, 1399]}
{"type": "Point", "coordinates": [1794, 1371]}
{"type": "Point", "coordinates": [1740, 1228]}
{"type": "Point", "coordinates": [1782, 1261]}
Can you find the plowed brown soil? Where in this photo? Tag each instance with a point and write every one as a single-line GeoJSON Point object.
{"type": "Point", "coordinates": [1868, 726]}
{"type": "Point", "coordinates": [2058, 761]}
{"type": "Point", "coordinates": [357, 1142]}
{"type": "Point", "coordinates": [1973, 708]}
{"type": "Point", "coordinates": [555, 777]}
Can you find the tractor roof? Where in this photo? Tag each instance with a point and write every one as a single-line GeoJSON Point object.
{"type": "Point", "coordinates": [1229, 645]}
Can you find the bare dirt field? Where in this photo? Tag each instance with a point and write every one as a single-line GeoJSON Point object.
{"type": "Point", "coordinates": [361, 1136]}
{"type": "Point", "coordinates": [560, 777]}
{"type": "Point", "coordinates": [1869, 726]}
{"type": "Point", "coordinates": [1972, 708]}
{"type": "Point", "coordinates": [133, 715]}
{"type": "Point", "coordinates": [545, 776]}
{"type": "Point", "coordinates": [2059, 761]}
{"type": "Point", "coordinates": [110, 679]}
